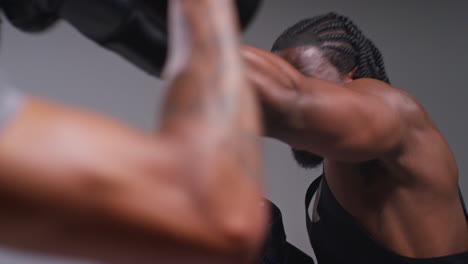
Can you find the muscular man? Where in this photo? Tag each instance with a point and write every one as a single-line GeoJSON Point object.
{"type": "Point", "coordinates": [389, 192]}
{"type": "Point", "coordinates": [76, 183]}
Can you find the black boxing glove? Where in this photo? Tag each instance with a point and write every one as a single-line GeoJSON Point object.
{"type": "Point", "coordinates": [135, 29]}
{"type": "Point", "coordinates": [30, 16]}
{"type": "Point", "coordinates": [123, 26]}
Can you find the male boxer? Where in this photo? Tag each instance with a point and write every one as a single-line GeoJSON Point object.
{"type": "Point", "coordinates": [389, 192]}
{"type": "Point", "coordinates": [80, 184]}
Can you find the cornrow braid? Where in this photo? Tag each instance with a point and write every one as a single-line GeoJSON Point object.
{"type": "Point", "coordinates": [345, 45]}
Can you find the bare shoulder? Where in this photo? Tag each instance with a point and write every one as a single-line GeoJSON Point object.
{"type": "Point", "coordinates": [409, 110]}
{"type": "Point", "coordinates": [425, 154]}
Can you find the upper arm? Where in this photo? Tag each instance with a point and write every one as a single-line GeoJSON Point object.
{"type": "Point", "coordinates": [64, 158]}
{"type": "Point", "coordinates": [351, 124]}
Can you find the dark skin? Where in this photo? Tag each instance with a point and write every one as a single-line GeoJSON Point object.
{"type": "Point", "coordinates": [384, 158]}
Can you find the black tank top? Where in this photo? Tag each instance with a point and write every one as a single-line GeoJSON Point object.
{"type": "Point", "coordinates": [277, 250]}
{"type": "Point", "coordinates": [337, 238]}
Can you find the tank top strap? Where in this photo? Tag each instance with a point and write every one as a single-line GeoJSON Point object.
{"type": "Point", "coordinates": [308, 200]}
{"type": "Point", "coordinates": [463, 202]}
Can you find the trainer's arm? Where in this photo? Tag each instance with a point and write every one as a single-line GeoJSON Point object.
{"type": "Point", "coordinates": [352, 122]}
{"type": "Point", "coordinates": [86, 185]}
{"type": "Point", "coordinates": [79, 184]}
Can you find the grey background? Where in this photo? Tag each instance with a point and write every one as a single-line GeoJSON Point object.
{"type": "Point", "coordinates": [424, 44]}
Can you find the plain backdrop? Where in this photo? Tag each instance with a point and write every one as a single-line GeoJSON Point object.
{"type": "Point", "coordinates": [424, 44]}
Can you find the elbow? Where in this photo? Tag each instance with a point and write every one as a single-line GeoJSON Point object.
{"type": "Point", "coordinates": [237, 218]}
{"type": "Point", "coordinates": [244, 234]}
{"type": "Point", "coordinates": [229, 201]}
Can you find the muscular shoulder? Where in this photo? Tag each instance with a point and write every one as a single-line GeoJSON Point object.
{"type": "Point", "coordinates": [415, 157]}
{"type": "Point", "coordinates": [405, 106]}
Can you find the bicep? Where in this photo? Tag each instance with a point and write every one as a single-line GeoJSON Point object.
{"type": "Point", "coordinates": [57, 156]}
{"type": "Point", "coordinates": [347, 125]}
{"type": "Point", "coordinates": [50, 150]}
{"type": "Point", "coordinates": [56, 144]}
{"type": "Point", "coordinates": [68, 159]}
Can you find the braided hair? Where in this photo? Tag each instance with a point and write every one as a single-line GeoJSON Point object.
{"type": "Point", "coordinates": [344, 45]}
{"type": "Point", "coordinates": [342, 41]}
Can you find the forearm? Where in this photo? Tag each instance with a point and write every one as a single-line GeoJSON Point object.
{"type": "Point", "coordinates": [209, 88]}
{"type": "Point", "coordinates": [211, 105]}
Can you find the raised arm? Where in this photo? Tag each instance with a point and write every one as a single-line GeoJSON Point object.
{"type": "Point", "coordinates": [86, 185]}
{"type": "Point", "coordinates": [351, 122]}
